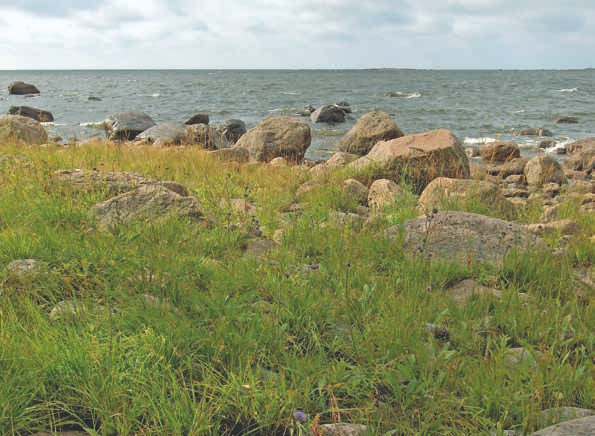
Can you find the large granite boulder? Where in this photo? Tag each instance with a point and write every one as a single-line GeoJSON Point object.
{"type": "Point", "coordinates": [232, 130]}
{"type": "Point", "coordinates": [22, 88]}
{"type": "Point", "coordinates": [27, 111]}
{"type": "Point", "coordinates": [19, 128]}
{"type": "Point", "coordinates": [112, 183]}
{"type": "Point", "coordinates": [463, 237]}
{"type": "Point", "coordinates": [582, 158]}
{"type": "Point", "coordinates": [126, 125]}
{"type": "Point", "coordinates": [575, 427]}
{"type": "Point", "coordinates": [197, 119]}
{"type": "Point", "coordinates": [163, 134]}
{"type": "Point", "coordinates": [369, 129]}
{"type": "Point", "coordinates": [416, 159]}
{"type": "Point", "coordinates": [541, 170]}
{"type": "Point", "coordinates": [444, 193]}
{"type": "Point", "coordinates": [330, 114]}
{"type": "Point", "coordinates": [277, 136]}
{"type": "Point", "coordinates": [383, 193]}
{"type": "Point", "coordinates": [500, 151]}
{"type": "Point", "coordinates": [151, 202]}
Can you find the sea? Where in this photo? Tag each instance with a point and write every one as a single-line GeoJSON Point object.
{"type": "Point", "coordinates": [479, 106]}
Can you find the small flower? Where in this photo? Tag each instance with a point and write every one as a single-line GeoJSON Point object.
{"type": "Point", "coordinates": [115, 309]}
{"type": "Point", "coordinates": [429, 288]}
{"type": "Point", "coordinates": [300, 416]}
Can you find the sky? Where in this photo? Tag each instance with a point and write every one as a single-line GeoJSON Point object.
{"type": "Point", "coordinates": [238, 34]}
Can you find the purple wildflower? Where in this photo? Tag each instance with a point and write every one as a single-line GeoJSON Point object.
{"type": "Point", "coordinates": [300, 416]}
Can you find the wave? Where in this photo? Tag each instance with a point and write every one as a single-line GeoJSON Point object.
{"type": "Point", "coordinates": [288, 93]}
{"type": "Point", "coordinates": [480, 140]}
{"type": "Point", "coordinates": [52, 123]}
{"type": "Point", "coordinates": [93, 124]}
{"type": "Point", "coordinates": [568, 90]}
{"type": "Point", "coordinates": [520, 111]}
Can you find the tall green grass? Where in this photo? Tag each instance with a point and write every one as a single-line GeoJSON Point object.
{"type": "Point", "coordinates": [333, 321]}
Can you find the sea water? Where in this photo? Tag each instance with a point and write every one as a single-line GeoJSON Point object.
{"type": "Point", "coordinates": [478, 106]}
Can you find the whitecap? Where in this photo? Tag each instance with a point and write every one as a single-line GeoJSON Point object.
{"type": "Point", "coordinates": [568, 90]}
{"type": "Point", "coordinates": [400, 94]}
{"type": "Point", "coordinates": [156, 95]}
{"type": "Point", "coordinates": [414, 95]}
{"type": "Point", "coordinates": [520, 111]}
{"type": "Point", "coordinates": [93, 124]}
{"type": "Point", "coordinates": [559, 145]}
{"type": "Point", "coordinates": [480, 140]}
{"type": "Point", "coordinates": [288, 93]}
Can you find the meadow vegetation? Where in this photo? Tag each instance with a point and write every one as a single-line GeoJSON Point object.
{"type": "Point", "coordinates": [177, 330]}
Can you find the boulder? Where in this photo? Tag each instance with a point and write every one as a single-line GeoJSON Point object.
{"type": "Point", "coordinates": [126, 125]}
{"type": "Point", "coordinates": [112, 183]}
{"type": "Point", "coordinates": [579, 145]}
{"type": "Point", "coordinates": [27, 267]}
{"type": "Point", "coordinates": [152, 202]}
{"type": "Point", "coordinates": [443, 193]}
{"type": "Point", "coordinates": [416, 159]}
{"type": "Point", "coordinates": [234, 154]}
{"type": "Point", "coordinates": [232, 130]}
{"type": "Point", "coordinates": [464, 290]}
{"type": "Point", "coordinates": [500, 151]}
{"type": "Point", "coordinates": [355, 190]}
{"type": "Point", "coordinates": [562, 414]}
{"type": "Point", "coordinates": [204, 136]}
{"type": "Point", "coordinates": [31, 112]}
{"type": "Point", "coordinates": [163, 134]}
{"type": "Point", "coordinates": [582, 160]}
{"type": "Point", "coordinates": [337, 160]}
{"type": "Point", "coordinates": [22, 88]}
{"type": "Point", "coordinates": [329, 114]}
{"type": "Point", "coordinates": [543, 169]}
{"type": "Point", "coordinates": [369, 129]}
{"type": "Point", "coordinates": [339, 429]}
{"type": "Point", "coordinates": [463, 237]}
{"type": "Point", "coordinates": [19, 128]}
{"type": "Point", "coordinates": [344, 106]}
{"type": "Point", "coordinates": [197, 119]}
{"type": "Point", "coordinates": [535, 131]}
{"type": "Point", "coordinates": [575, 427]}
{"type": "Point", "coordinates": [514, 167]}
{"type": "Point", "coordinates": [567, 120]}
{"type": "Point", "coordinates": [383, 193]}
{"type": "Point", "coordinates": [277, 136]}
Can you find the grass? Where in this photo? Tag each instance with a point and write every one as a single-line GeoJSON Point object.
{"type": "Point", "coordinates": [333, 321]}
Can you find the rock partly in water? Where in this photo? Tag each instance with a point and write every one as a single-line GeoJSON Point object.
{"type": "Point", "coordinates": [369, 129]}
{"type": "Point", "coordinates": [22, 88]}
{"type": "Point", "coordinates": [27, 111]}
{"type": "Point", "coordinates": [151, 202]}
{"type": "Point", "coordinates": [277, 136]}
{"type": "Point", "coordinates": [416, 159]}
{"type": "Point", "coordinates": [197, 119]}
{"type": "Point", "coordinates": [19, 128]}
{"type": "Point", "coordinates": [535, 131]}
{"type": "Point", "coordinates": [500, 151]}
{"type": "Point", "coordinates": [126, 125]}
{"type": "Point", "coordinates": [330, 114]}
{"type": "Point", "coordinates": [567, 120]}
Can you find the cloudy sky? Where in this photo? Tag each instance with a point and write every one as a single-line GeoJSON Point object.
{"type": "Point", "coordinates": [297, 34]}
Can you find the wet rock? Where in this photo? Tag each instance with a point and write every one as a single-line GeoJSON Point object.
{"type": "Point", "coordinates": [329, 114]}
{"type": "Point", "coordinates": [277, 136]}
{"type": "Point", "coordinates": [567, 120]}
{"type": "Point", "coordinates": [19, 128]}
{"type": "Point", "coordinates": [416, 159]}
{"type": "Point", "coordinates": [369, 129]}
{"type": "Point", "coordinates": [535, 131]}
{"type": "Point", "coordinates": [27, 111]}
{"type": "Point", "coordinates": [126, 125]}
{"type": "Point", "coordinates": [197, 119]}
{"type": "Point", "coordinates": [22, 88]}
